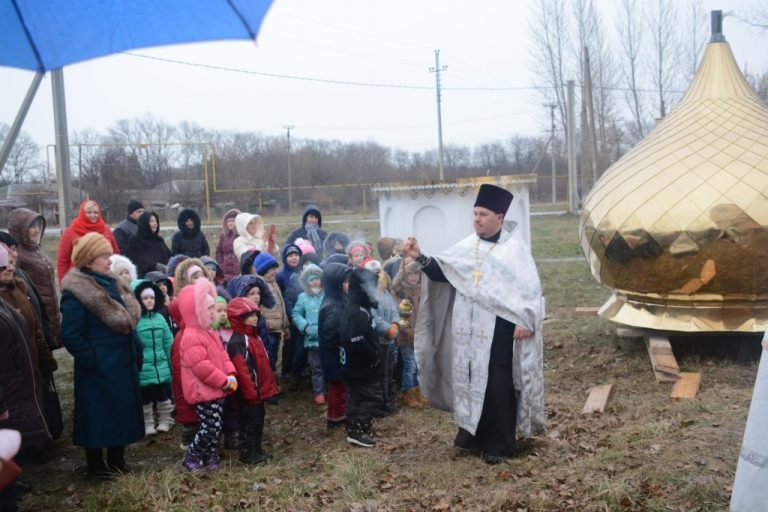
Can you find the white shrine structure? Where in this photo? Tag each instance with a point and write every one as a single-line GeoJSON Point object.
{"type": "Point", "coordinates": [439, 214]}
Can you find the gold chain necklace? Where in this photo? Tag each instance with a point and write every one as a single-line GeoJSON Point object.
{"type": "Point", "coordinates": [477, 275]}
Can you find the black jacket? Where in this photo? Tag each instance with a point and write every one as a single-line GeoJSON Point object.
{"type": "Point", "coordinates": [191, 242]}
{"type": "Point", "coordinates": [123, 233]}
{"type": "Point", "coordinates": [331, 310]}
{"type": "Point", "coordinates": [146, 249]}
{"type": "Point", "coordinates": [302, 232]}
{"type": "Point", "coordinates": [359, 342]}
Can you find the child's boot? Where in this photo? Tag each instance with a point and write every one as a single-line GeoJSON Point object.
{"type": "Point", "coordinates": [424, 400]}
{"type": "Point", "coordinates": [411, 399]}
{"type": "Point", "coordinates": [358, 434]}
{"type": "Point", "coordinates": [164, 419]}
{"type": "Point", "coordinates": [149, 421]}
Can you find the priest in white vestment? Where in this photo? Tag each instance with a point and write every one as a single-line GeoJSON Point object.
{"type": "Point", "coordinates": [478, 339]}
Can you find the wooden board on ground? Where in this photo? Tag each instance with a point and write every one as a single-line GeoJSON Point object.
{"type": "Point", "coordinates": [598, 397]}
{"type": "Point", "coordinates": [687, 386]}
{"type": "Point", "coordinates": [663, 361]}
{"type": "Point", "coordinates": [586, 310]}
{"type": "Point", "coordinates": [631, 332]}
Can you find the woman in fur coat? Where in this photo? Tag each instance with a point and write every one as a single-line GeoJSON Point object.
{"type": "Point", "coordinates": [147, 248]}
{"type": "Point", "coordinates": [99, 314]}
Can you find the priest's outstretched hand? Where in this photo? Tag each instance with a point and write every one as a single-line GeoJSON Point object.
{"type": "Point", "coordinates": [411, 247]}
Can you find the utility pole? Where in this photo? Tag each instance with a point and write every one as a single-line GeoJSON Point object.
{"type": "Point", "coordinates": [437, 70]}
{"type": "Point", "coordinates": [63, 174]}
{"type": "Point", "coordinates": [552, 107]}
{"type": "Point", "coordinates": [288, 129]}
{"type": "Point", "coordinates": [573, 193]}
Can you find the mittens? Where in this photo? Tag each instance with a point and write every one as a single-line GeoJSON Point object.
{"type": "Point", "coordinates": [231, 385]}
{"type": "Point", "coordinates": [392, 331]}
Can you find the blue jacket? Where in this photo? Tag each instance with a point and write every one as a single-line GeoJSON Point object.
{"type": "Point", "coordinates": [306, 317]}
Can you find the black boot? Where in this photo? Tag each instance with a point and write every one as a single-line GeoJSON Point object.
{"type": "Point", "coordinates": [251, 434]}
{"type": "Point", "coordinates": [116, 460]}
{"type": "Point", "coordinates": [359, 434]}
{"type": "Point", "coordinates": [95, 464]}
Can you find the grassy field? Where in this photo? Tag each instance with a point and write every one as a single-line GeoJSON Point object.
{"type": "Point", "coordinates": [645, 453]}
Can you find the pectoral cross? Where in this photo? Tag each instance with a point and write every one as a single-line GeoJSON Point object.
{"type": "Point", "coordinates": [476, 275]}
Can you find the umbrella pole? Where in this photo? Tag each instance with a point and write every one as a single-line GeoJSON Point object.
{"type": "Point", "coordinates": [13, 132]}
{"type": "Point", "coordinates": [63, 173]}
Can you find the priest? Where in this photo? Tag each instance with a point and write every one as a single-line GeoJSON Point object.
{"type": "Point", "coordinates": [478, 338]}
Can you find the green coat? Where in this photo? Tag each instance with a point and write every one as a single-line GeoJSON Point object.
{"type": "Point", "coordinates": [156, 337]}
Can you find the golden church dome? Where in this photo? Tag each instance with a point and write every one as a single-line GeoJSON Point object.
{"type": "Point", "coordinates": [678, 227]}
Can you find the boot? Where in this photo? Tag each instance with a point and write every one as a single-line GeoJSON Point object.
{"type": "Point", "coordinates": [411, 399]}
{"type": "Point", "coordinates": [116, 460]}
{"type": "Point", "coordinates": [164, 420]}
{"type": "Point", "coordinates": [421, 398]}
{"type": "Point", "coordinates": [149, 421]}
{"type": "Point", "coordinates": [359, 434]}
{"type": "Point", "coordinates": [95, 464]}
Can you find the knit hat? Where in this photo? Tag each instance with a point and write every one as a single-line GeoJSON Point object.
{"type": "Point", "coordinates": [311, 272]}
{"type": "Point", "coordinates": [357, 246]}
{"type": "Point", "coordinates": [89, 247]}
{"type": "Point", "coordinates": [305, 246]}
{"type": "Point", "coordinates": [134, 205]}
{"type": "Point", "coordinates": [7, 239]}
{"type": "Point", "coordinates": [263, 262]}
{"type": "Point", "coordinates": [292, 249]}
{"type": "Point", "coordinates": [371, 264]}
{"type": "Point", "coordinates": [494, 198]}
{"type": "Point", "coordinates": [147, 292]}
{"type": "Point", "coordinates": [246, 260]}
{"type": "Point", "coordinates": [3, 256]}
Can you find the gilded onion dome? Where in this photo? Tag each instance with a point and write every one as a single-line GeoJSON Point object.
{"type": "Point", "coordinates": [678, 227]}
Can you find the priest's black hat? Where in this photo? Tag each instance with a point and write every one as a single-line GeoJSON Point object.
{"type": "Point", "coordinates": [494, 198]}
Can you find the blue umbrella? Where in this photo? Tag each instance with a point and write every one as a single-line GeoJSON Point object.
{"type": "Point", "coordinates": [42, 35]}
{"type": "Point", "coordinates": [46, 35]}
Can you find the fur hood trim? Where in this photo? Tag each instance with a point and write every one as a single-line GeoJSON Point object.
{"type": "Point", "coordinates": [118, 317]}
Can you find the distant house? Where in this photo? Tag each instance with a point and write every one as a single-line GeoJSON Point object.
{"type": "Point", "coordinates": [40, 197]}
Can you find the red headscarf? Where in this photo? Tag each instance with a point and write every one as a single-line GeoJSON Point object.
{"type": "Point", "coordinates": [81, 225]}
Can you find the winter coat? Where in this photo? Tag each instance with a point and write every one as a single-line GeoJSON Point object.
{"type": "Point", "coordinates": [79, 227]}
{"type": "Point", "coordinates": [32, 260]}
{"type": "Point", "coordinates": [185, 412]}
{"type": "Point", "coordinates": [204, 362]}
{"type": "Point", "coordinates": [285, 273]}
{"type": "Point", "coordinates": [402, 291]}
{"type": "Point", "coordinates": [255, 380]}
{"type": "Point", "coordinates": [240, 286]}
{"type": "Point", "coordinates": [156, 338]}
{"type": "Point", "coordinates": [303, 233]}
{"type": "Point", "coordinates": [39, 310]}
{"type": "Point", "coordinates": [191, 242]}
{"type": "Point", "coordinates": [123, 233]}
{"type": "Point", "coordinates": [384, 315]}
{"type": "Point", "coordinates": [328, 324]}
{"type": "Point", "coordinates": [18, 381]}
{"type": "Point", "coordinates": [225, 249]}
{"type": "Point", "coordinates": [306, 312]}
{"type": "Point", "coordinates": [146, 249]}
{"type": "Point", "coordinates": [358, 339]}
{"type": "Point", "coordinates": [98, 316]}
{"type": "Point", "coordinates": [277, 318]}
{"type": "Point", "coordinates": [245, 240]}
{"type": "Point", "coordinates": [329, 246]}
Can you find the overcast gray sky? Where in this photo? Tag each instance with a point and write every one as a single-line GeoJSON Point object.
{"type": "Point", "coordinates": [484, 43]}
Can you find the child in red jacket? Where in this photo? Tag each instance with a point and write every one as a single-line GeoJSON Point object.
{"type": "Point", "coordinates": [255, 379]}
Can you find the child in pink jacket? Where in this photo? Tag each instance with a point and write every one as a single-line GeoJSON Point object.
{"type": "Point", "coordinates": [207, 374]}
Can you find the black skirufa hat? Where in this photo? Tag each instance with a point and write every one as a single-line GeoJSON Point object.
{"type": "Point", "coordinates": [494, 198]}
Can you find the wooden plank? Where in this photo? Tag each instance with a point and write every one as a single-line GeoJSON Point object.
{"type": "Point", "coordinates": [630, 332]}
{"type": "Point", "coordinates": [598, 397]}
{"type": "Point", "coordinates": [687, 386]}
{"type": "Point", "coordinates": [580, 310]}
{"type": "Point", "coordinates": [663, 361]}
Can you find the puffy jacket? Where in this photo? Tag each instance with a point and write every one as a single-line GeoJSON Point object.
{"type": "Point", "coordinates": [146, 249]}
{"type": "Point", "coordinates": [358, 339]}
{"type": "Point", "coordinates": [306, 312]}
{"type": "Point", "coordinates": [255, 379]}
{"type": "Point", "coordinates": [156, 337]}
{"type": "Point", "coordinates": [39, 268]}
{"type": "Point", "coordinates": [204, 362]}
{"type": "Point", "coordinates": [225, 250]}
{"type": "Point", "coordinates": [284, 274]}
{"type": "Point", "coordinates": [328, 324]}
{"type": "Point", "coordinates": [185, 412]}
{"type": "Point", "coordinates": [191, 242]}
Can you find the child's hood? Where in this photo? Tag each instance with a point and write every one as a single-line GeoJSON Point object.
{"type": "Point", "coordinates": [181, 272]}
{"type": "Point", "coordinates": [231, 214]}
{"type": "Point", "coordinates": [143, 284]}
{"type": "Point", "coordinates": [311, 272]}
{"type": "Point", "coordinates": [243, 219]}
{"type": "Point", "coordinates": [238, 307]}
{"type": "Point", "coordinates": [193, 303]}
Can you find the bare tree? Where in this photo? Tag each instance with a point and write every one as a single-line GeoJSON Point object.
{"type": "Point", "coordinates": [550, 36]}
{"type": "Point", "coordinates": [630, 25]}
{"type": "Point", "coordinates": [23, 161]}
{"type": "Point", "coordinates": [692, 45]}
{"type": "Point", "coordinates": [148, 139]}
{"type": "Point", "coordinates": [663, 23]}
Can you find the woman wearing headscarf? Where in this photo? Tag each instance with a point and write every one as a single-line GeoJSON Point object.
{"type": "Point", "coordinates": [147, 248]}
{"type": "Point", "coordinates": [27, 228]}
{"type": "Point", "coordinates": [99, 315]}
{"type": "Point", "coordinates": [87, 221]}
